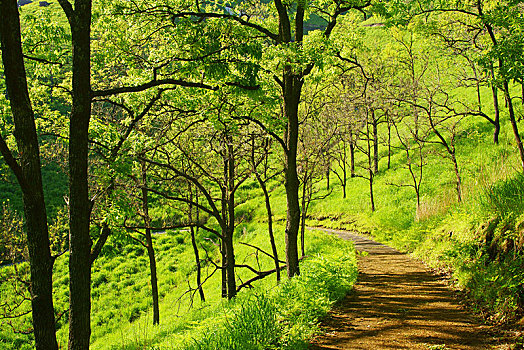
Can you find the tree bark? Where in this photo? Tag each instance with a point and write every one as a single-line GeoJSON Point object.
{"type": "Point", "coordinates": [344, 170]}
{"type": "Point", "coordinates": [195, 248]}
{"type": "Point", "coordinates": [269, 223]}
{"type": "Point", "coordinates": [458, 181]}
{"type": "Point", "coordinates": [224, 230]}
{"type": "Point", "coordinates": [292, 90]}
{"type": "Point", "coordinates": [494, 92]}
{"type": "Point", "coordinates": [352, 156]}
{"type": "Point", "coordinates": [389, 143]}
{"type": "Point", "coordinates": [328, 171]}
{"type": "Point", "coordinates": [375, 141]}
{"type": "Point", "coordinates": [230, 265]}
{"type": "Point", "coordinates": [371, 196]}
{"type": "Point", "coordinates": [154, 280]}
{"type": "Point", "coordinates": [303, 213]}
{"type": "Point", "coordinates": [230, 253]}
{"type": "Point", "coordinates": [198, 265]}
{"type": "Point", "coordinates": [370, 168]}
{"type": "Point", "coordinates": [80, 205]}
{"type": "Point", "coordinates": [149, 246]}
{"type": "Point", "coordinates": [29, 176]}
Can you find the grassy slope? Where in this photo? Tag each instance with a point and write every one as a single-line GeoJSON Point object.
{"type": "Point", "coordinates": [121, 298]}
{"type": "Point", "coordinates": [444, 233]}
{"type": "Point", "coordinates": [447, 234]}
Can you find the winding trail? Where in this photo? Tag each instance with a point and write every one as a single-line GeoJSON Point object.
{"type": "Point", "coordinates": [398, 304]}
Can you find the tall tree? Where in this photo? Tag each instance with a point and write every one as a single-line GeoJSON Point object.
{"type": "Point", "coordinates": [80, 205]}
{"type": "Point", "coordinates": [79, 18]}
{"type": "Point", "coordinates": [28, 173]}
{"type": "Point", "coordinates": [289, 73]}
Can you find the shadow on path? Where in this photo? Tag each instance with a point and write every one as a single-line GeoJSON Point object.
{"type": "Point", "coordinates": [398, 304]}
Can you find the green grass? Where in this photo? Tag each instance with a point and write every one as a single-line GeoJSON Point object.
{"type": "Point", "coordinates": [485, 263]}
{"type": "Point", "coordinates": [505, 198]}
{"type": "Point", "coordinates": [268, 316]}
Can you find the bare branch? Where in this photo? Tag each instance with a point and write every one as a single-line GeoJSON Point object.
{"type": "Point", "coordinates": [260, 250]}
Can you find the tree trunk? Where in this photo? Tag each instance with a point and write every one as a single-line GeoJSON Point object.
{"type": "Point", "coordinates": [494, 92]}
{"type": "Point", "coordinates": [292, 90]}
{"type": "Point", "coordinates": [224, 229]}
{"type": "Point", "coordinates": [514, 123]}
{"type": "Point", "coordinates": [370, 168]}
{"type": "Point", "coordinates": [230, 253]}
{"type": "Point", "coordinates": [269, 223]}
{"type": "Point", "coordinates": [224, 263]}
{"type": "Point", "coordinates": [198, 265]}
{"type": "Point", "coordinates": [230, 265]}
{"type": "Point", "coordinates": [417, 192]}
{"type": "Point", "coordinates": [371, 196]}
{"type": "Point", "coordinates": [352, 158]}
{"type": "Point", "coordinates": [328, 170]}
{"type": "Point", "coordinates": [375, 141]}
{"type": "Point", "coordinates": [154, 283]}
{"type": "Point", "coordinates": [149, 246]}
{"type": "Point", "coordinates": [344, 172]}
{"type": "Point", "coordinates": [303, 214]}
{"type": "Point", "coordinates": [195, 248]}
{"type": "Point", "coordinates": [29, 176]}
{"type": "Point", "coordinates": [80, 205]}
{"type": "Point", "coordinates": [457, 177]}
{"type": "Point", "coordinates": [389, 144]}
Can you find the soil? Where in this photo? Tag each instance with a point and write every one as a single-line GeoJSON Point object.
{"type": "Point", "coordinates": [398, 303]}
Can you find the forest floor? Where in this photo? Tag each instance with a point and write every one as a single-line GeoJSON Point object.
{"type": "Point", "coordinates": [398, 303]}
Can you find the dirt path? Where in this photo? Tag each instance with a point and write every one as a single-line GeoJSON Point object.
{"type": "Point", "coordinates": [398, 304]}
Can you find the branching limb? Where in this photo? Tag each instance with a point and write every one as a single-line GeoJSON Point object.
{"type": "Point", "coordinates": [260, 250]}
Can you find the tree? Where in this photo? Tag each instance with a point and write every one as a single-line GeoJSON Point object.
{"type": "Point", "coordinates": [413, 148]}
{"type": "Point", "coordinates": [440, 121]}
{"type": "Point", "coordinates": [149, 242]}
{"type": "Point", "coordinates": [367, 149]}
{"type": "Point", "coordinates": [343, 110]}
{"type": "Point", "coordinates": [496, 28]}
{"type": "Point", "coordinates": [80, 205]}
{"type": "Point", "coordinates": [462, 37]}
{"type": "Point", "coordinates": [315, 145]}
{"type": "Point", "coordinates": [281, 27]}
{"type": "Point", "coordinates": [28, 173]}
{"type": "Point", "coordinates": [218, 170]}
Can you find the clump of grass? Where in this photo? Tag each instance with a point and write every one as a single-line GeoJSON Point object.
{"type": "Point", "coordinates": [505, 198]}
{"type": "Point", "coordinates": [284, 317]}
{"type": "Point", "coordinates": [494, 287]}
{"type": "Point", "coordinates": [436, 206]}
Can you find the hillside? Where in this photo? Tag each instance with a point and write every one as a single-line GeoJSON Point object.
{"type": "Point", "coordinates": [181, 151]}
